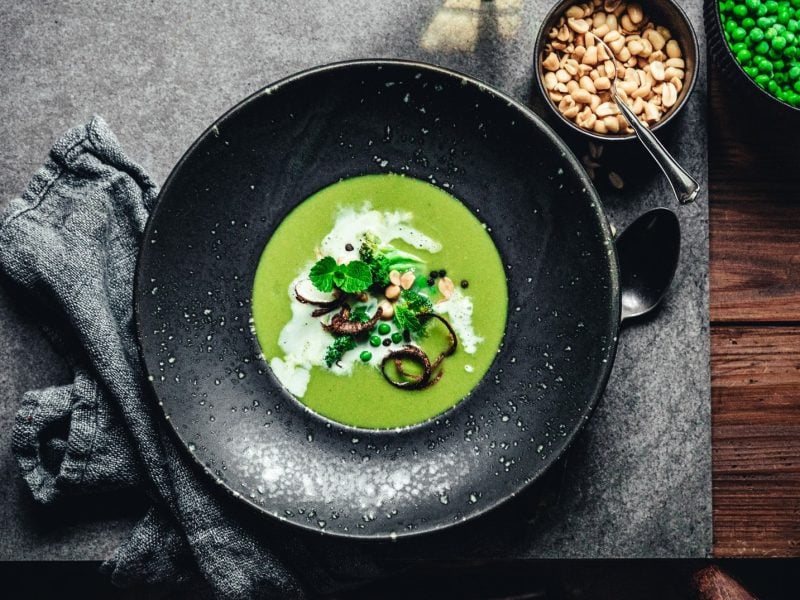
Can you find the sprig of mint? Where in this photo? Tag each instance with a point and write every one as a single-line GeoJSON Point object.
{"type": "Point", "coordinates": [351, 278]}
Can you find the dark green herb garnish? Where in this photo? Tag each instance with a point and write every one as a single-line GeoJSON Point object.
{"type": "Point", "coordinates": [336, 350]}
{"type": "Point", "coordinates": [382, 261]}
{"type": "Point", "coordinates": [359, 314]}
{"type": "Point", "coordinates": [416, 301]}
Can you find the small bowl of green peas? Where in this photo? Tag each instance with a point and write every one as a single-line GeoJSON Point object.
{"type": "Point", "coordinates": [757, 43]}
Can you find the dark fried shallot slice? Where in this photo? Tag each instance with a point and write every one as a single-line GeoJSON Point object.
{"type": "Point", "coordinates": [342, 325]}
{"type": "Point", "coordinates": [324, 306]}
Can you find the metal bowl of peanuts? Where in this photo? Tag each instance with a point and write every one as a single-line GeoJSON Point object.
{"type": "Point", "coordinates": [655, 63]}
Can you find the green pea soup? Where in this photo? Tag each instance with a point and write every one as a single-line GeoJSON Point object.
{"type": "Point", "coordinates": [364, 398]}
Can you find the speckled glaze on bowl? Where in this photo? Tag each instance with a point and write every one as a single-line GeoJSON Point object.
{"type": "Point", "coordinates": [238, 181]}
{"type": "Point", "coordinates": [663, 12]}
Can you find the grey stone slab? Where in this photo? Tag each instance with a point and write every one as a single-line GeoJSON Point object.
{"type": "Point", "coordinates": [637, 482]}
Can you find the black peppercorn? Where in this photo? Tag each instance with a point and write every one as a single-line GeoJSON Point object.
{"type": "Point", "coordinates": [433, 274]}
{"type": "Point", "coordinates": [387, 342]}
{"type": "Point", "coordinates": [464, 283]}
{"type": "Point", "coordinates": [431, 281]}
{"type": "Point", "coordinates": [442, 273]}
{"type": "Point", "coordinates": [349, 247]}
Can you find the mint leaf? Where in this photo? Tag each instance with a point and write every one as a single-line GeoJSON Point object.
{"type": "Point", "coordinates": [322, 274]}
{"type": "Point", "coordinates": [353, 277]}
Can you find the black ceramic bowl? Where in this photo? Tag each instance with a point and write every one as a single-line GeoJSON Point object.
{"type": "Point", "coordinates": [723, 57]}
{"type": "Point", "coordinates": [663, 12]}
{"type": "Point", "coordinates": [235, 185]}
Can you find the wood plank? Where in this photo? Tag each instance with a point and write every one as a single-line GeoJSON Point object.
{"type": "Point", "coordinates": [754, 187]}
{"type": "Point", "coordinates": [755, 374]}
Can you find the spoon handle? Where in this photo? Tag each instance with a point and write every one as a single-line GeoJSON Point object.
{"type": "Point", "coordinates": [683, 185]}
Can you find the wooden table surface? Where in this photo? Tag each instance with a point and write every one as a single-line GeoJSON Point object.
{"type": "Point", "coordinates": [754, 189]}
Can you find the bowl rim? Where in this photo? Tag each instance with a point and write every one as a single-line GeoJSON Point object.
{"type": "Point", "coordinates": [600, 384]}
{"type": "Point", "coordinates": [729, 51]}
{"type": "Point", "coordinates": [538, 48]}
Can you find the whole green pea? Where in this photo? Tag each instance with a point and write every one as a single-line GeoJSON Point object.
{"type": "Point", "coordinates": [384, 328]}
{"type": "Point", "coordinates": [744, 56]}
{"type": "Point", "coordinates": [751, 71]}
{"type": "Point", "coordinates": [762, 47]}
{"type": "Point", "coordinates": [365, 356]}
{"type": "Point", "coordinates": [739, 34]}
{"type": "Point", "coordinates": [765, 66]}
{"type": "Point", "coordinates": [765, 22]}
{"type": "Point", "coordinates": [740, 10]}
{"type": "Point", "coordinates": [374, 341]}
{"type": "Point", "coordinates": [397, 337]}
{"type": "Point", "coordinates": [752, 4]}
{"type": "Point", "coordinates": [748, 23]}
{"type": "Point", "coordinates": [756, 34]}
{"type": "Point", "coordinates": [778, 42]}
{"type": "Point", "coordinates": [762, 80]}
{"type": "Point", "coordinates": [796, 86]}
{"type": "Point", "coordinates": [794, 72]}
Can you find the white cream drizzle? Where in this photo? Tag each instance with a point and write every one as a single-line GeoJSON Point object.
{"type": "Point", "coordinates": [303, 340]}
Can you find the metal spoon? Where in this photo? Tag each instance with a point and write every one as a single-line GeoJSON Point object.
{"type": "Point", "coordinates": [683, 185]}
{"type": "Point", "coordinates": [648, 252]}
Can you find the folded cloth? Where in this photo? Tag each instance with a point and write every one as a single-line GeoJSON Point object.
{"type": "Point", "coordinates": [69, 246]}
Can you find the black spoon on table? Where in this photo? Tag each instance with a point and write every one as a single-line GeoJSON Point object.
{"type": "Point", "coordinates": [648, 251]}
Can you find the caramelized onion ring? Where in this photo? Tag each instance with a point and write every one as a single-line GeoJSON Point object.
{"type": "Point", "coordinates": [414, 353]}
{"type": "Point", "coordinates": [418, 382]}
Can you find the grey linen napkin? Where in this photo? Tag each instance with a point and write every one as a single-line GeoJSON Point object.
{"type": "Point", "coordinates": [69, 246]}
